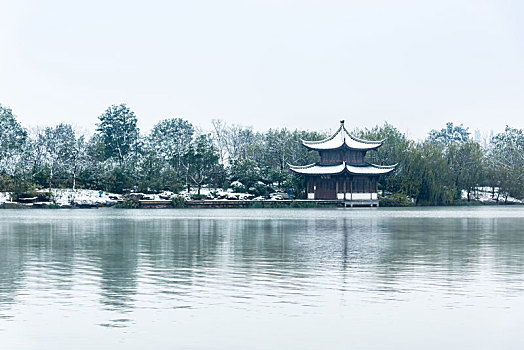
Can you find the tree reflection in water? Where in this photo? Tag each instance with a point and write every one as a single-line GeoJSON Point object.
{"type": "Point", "coordinates": [128, 261]}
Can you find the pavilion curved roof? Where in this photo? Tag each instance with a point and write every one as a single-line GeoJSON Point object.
{"type": "Point", "coordinates": [335, 169]}
{"type": "Point", "coordinates": [342, 138]}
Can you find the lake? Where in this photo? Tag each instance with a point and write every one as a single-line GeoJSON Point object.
{"type": "Point", "coordinates": [371, 278]}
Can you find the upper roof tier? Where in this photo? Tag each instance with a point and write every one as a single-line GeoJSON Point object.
{"type": "Point", "coordinates": [342, 138]}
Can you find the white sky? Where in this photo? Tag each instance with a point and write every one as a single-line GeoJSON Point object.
{"type": "Point", "coordinates": [296, 64]}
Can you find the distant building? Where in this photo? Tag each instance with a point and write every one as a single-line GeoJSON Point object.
{"type": "Point", "coordinates": [343, 173]}
{"type": "Point", "coordinates": [478, 136]}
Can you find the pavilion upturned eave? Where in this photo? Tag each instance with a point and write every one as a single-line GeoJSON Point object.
{"type": "Point", "coordinates": [337, 169]}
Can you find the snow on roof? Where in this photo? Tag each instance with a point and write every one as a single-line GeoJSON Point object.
{"type": "Point", "coordinates": [368, 169]}
{"type": "Point", "coordinates": [340, 138]}
{"type": "Point", "coordinates": [314, 169]}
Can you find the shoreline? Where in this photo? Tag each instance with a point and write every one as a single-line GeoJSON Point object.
{"type": "Point", "coordinates": [237, 204]}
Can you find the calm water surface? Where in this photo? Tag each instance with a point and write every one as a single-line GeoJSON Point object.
{"type": "Point", "coordinates": [262, 279]}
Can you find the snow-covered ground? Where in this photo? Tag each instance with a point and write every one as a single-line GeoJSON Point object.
{"type": "Point", "coordinates": [93, 197]}
{"type": "Point", "coordinates": [486, 195]}
{"type": "Point", "coordinates": [4, 197]}
{"type": "Point", "coordinates": [217, 193]}
{"type": "Point", "coordinates": [68, 197]}
{"type": "Point", "coordinates": [64, 197]}
{"type": "Point", "coordinates": [82, 197]}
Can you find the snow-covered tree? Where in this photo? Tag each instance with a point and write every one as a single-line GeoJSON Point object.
{"type": "Point", "coordinates": [466, 162]}
{"type": "Point", "coordinates": [119, 132]}
{"type": "Point", "coordinates": [12, 140]}
{"type": "Point", "coordinates": [170, 139]}
{"type": "Point", "coordinates": [201, 160]}
{"type": "Point", "coordinates": [451, 134]}
{"type": "Point", "coordinates": [247, 171]}
{"type": "Point", "coordinates": [506, 162]}
{"type": "Point", "coordinates": [232, 141]}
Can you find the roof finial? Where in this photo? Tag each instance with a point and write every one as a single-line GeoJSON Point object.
{"type": "Point", "coordinates": [342, 121]}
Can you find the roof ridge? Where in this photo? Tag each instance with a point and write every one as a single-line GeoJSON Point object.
{"type": "Point", "coordinates": [326, 139]}
{"type": "Point", "coordinates": [362, 140]}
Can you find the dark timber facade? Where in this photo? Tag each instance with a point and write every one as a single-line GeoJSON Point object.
{"type": "Point", "coordinates": [343, 173]}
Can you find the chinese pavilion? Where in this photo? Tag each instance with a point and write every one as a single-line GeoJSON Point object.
{"type": "Point", "coordinates": [343, 173]}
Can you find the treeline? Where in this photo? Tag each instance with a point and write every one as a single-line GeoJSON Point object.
{"type": "Point", "coordinates": [175, 155]}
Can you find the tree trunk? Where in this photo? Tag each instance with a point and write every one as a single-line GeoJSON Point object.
{"type": "Point", "coordinates": [51, 178]}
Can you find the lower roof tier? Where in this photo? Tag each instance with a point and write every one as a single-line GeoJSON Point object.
{"type": "Point", "coordinates": [366, 169]}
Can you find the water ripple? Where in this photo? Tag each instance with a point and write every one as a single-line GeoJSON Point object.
{"type": "Point", "coordinates": [122, 270]}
